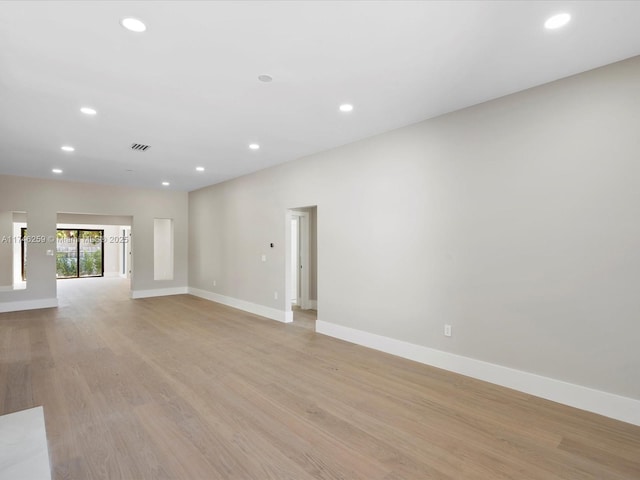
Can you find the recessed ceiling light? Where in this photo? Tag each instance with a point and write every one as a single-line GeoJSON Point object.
{"type": "Point", "coordinates": [165, 184]}
{"type": "Point", "coordinates": [200, 169]}
{"type": "Point", "coordinates": [254, 146]}
{"type": "Point", "coordinates": [133, 24]}
{"type": "Point", "coordinates": [557, 21]}
{"type": "Point", "coordinates": [88, 111]}
{"type": "Point", "coordinates": [56, 170]}
{"type": "Point", "coordinates": [265, 78]}
{"type": "Point", "coordinates": [346, 107]}
{"type": "Point", "coordinates": [67, 148]}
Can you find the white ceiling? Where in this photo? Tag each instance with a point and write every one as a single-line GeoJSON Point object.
{"type": "Point", "coordinates": [188, 85]}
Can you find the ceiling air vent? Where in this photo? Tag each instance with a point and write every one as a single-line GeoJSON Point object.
{"type": "Point", "coordinates": [138, 147]}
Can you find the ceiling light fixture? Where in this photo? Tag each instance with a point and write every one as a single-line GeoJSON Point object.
{"type": "Point", "coordinates": [56, 170]}
{"type": "Point", "coordinates": [346, 107]}
{"type": "Point", "coordinates": [265, 78]}
{"type": "Point", "coordinates": [165, 184]}
{"type": "Point", "coordinates": [557, 21]}
{"type": "Point", "coordinates": [200, 169]}
{"type": "Point", "coordinates": [67, 148]}
{"type": "Point", "coordinates": [88, 111]}
{"type": "Point", "coordinates": [254, 146]}
{"type": "Point", "coordinates": [133, 24]}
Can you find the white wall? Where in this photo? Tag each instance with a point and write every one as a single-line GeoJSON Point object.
{"type": "Point", "coordinates": [516, 221]}
{"type": "Point", "coordinates": [43, 199]}
{"type": "Point", "coordinates": [112, 249]}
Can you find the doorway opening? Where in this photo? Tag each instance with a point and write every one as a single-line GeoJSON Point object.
{"type": "Point", "coordinates": [301, 272]}
{"type": "Point", "coordinates": [11, 276]}
{"type": "Point", "coordinates": [79, 253]}
{"type": "Point", "coordinates": [95, 251]}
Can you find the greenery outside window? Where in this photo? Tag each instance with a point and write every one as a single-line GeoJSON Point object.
{"type": "Point", "coordinates": [79, 253]}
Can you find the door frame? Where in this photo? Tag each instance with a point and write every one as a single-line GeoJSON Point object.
{"type": "Point", "coordinates": [303, 257]}
{"type": "Point", "coordinates": [78, 251]}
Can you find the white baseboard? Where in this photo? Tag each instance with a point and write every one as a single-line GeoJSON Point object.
{"type": "Point", "coordinates": [14, 287]}
{"type": "Point", "coordinates": [288, 316]}
{"type": "Point", "coordinates": [28, 305]}
{"type": "Point", "coordinates": [585, 398]}
{"type": "Point", "coordinates": [272, 313]}
{"type": "Point", "coordinates": [159, 292]}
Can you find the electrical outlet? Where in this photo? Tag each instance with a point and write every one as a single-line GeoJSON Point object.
{"type": "Point", "coordinates": [447, 330]}
{"type": "Point", "coordinates": [275, 295]}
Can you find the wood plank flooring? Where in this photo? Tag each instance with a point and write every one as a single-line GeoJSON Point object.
{"type": "Point", "coordinates": [182, 388]}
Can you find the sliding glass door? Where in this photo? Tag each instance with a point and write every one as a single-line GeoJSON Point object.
{"type": "Point", "coordinates": [79, 253]}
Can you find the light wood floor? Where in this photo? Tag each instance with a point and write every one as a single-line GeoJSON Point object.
{"type": "Point", "coordinates": [304, 318]}
{"type": "Point", "coordinates": [182, 388]}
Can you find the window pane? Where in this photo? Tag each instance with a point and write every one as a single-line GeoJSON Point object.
{"type": "Point", "coordinates": [66, 254]}
{"type": "Point", "coordinates": [90, 253]}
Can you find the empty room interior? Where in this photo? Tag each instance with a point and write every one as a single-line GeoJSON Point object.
{"type": "Point", "coordinates": [377, 240]}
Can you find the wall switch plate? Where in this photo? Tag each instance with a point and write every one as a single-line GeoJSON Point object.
{"type": "Point", "coordinates": [275, 295]}
{"type": "Point", "coordinates": [214, 283]}
{"type": "Point", "coordinates": [264, 257]}
{"type": "Point", "coordinates": [447, 330]}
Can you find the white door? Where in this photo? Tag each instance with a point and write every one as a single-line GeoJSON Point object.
{"type": "Point", "coordinates": [300, 248]}
{"type": "Point", "coordinates": [295, 260]}
{"type": "Point", "coordinates": [127, 257]}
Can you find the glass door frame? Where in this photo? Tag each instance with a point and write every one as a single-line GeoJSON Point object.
{"type": "Point", "coordinates": [78, 237]}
